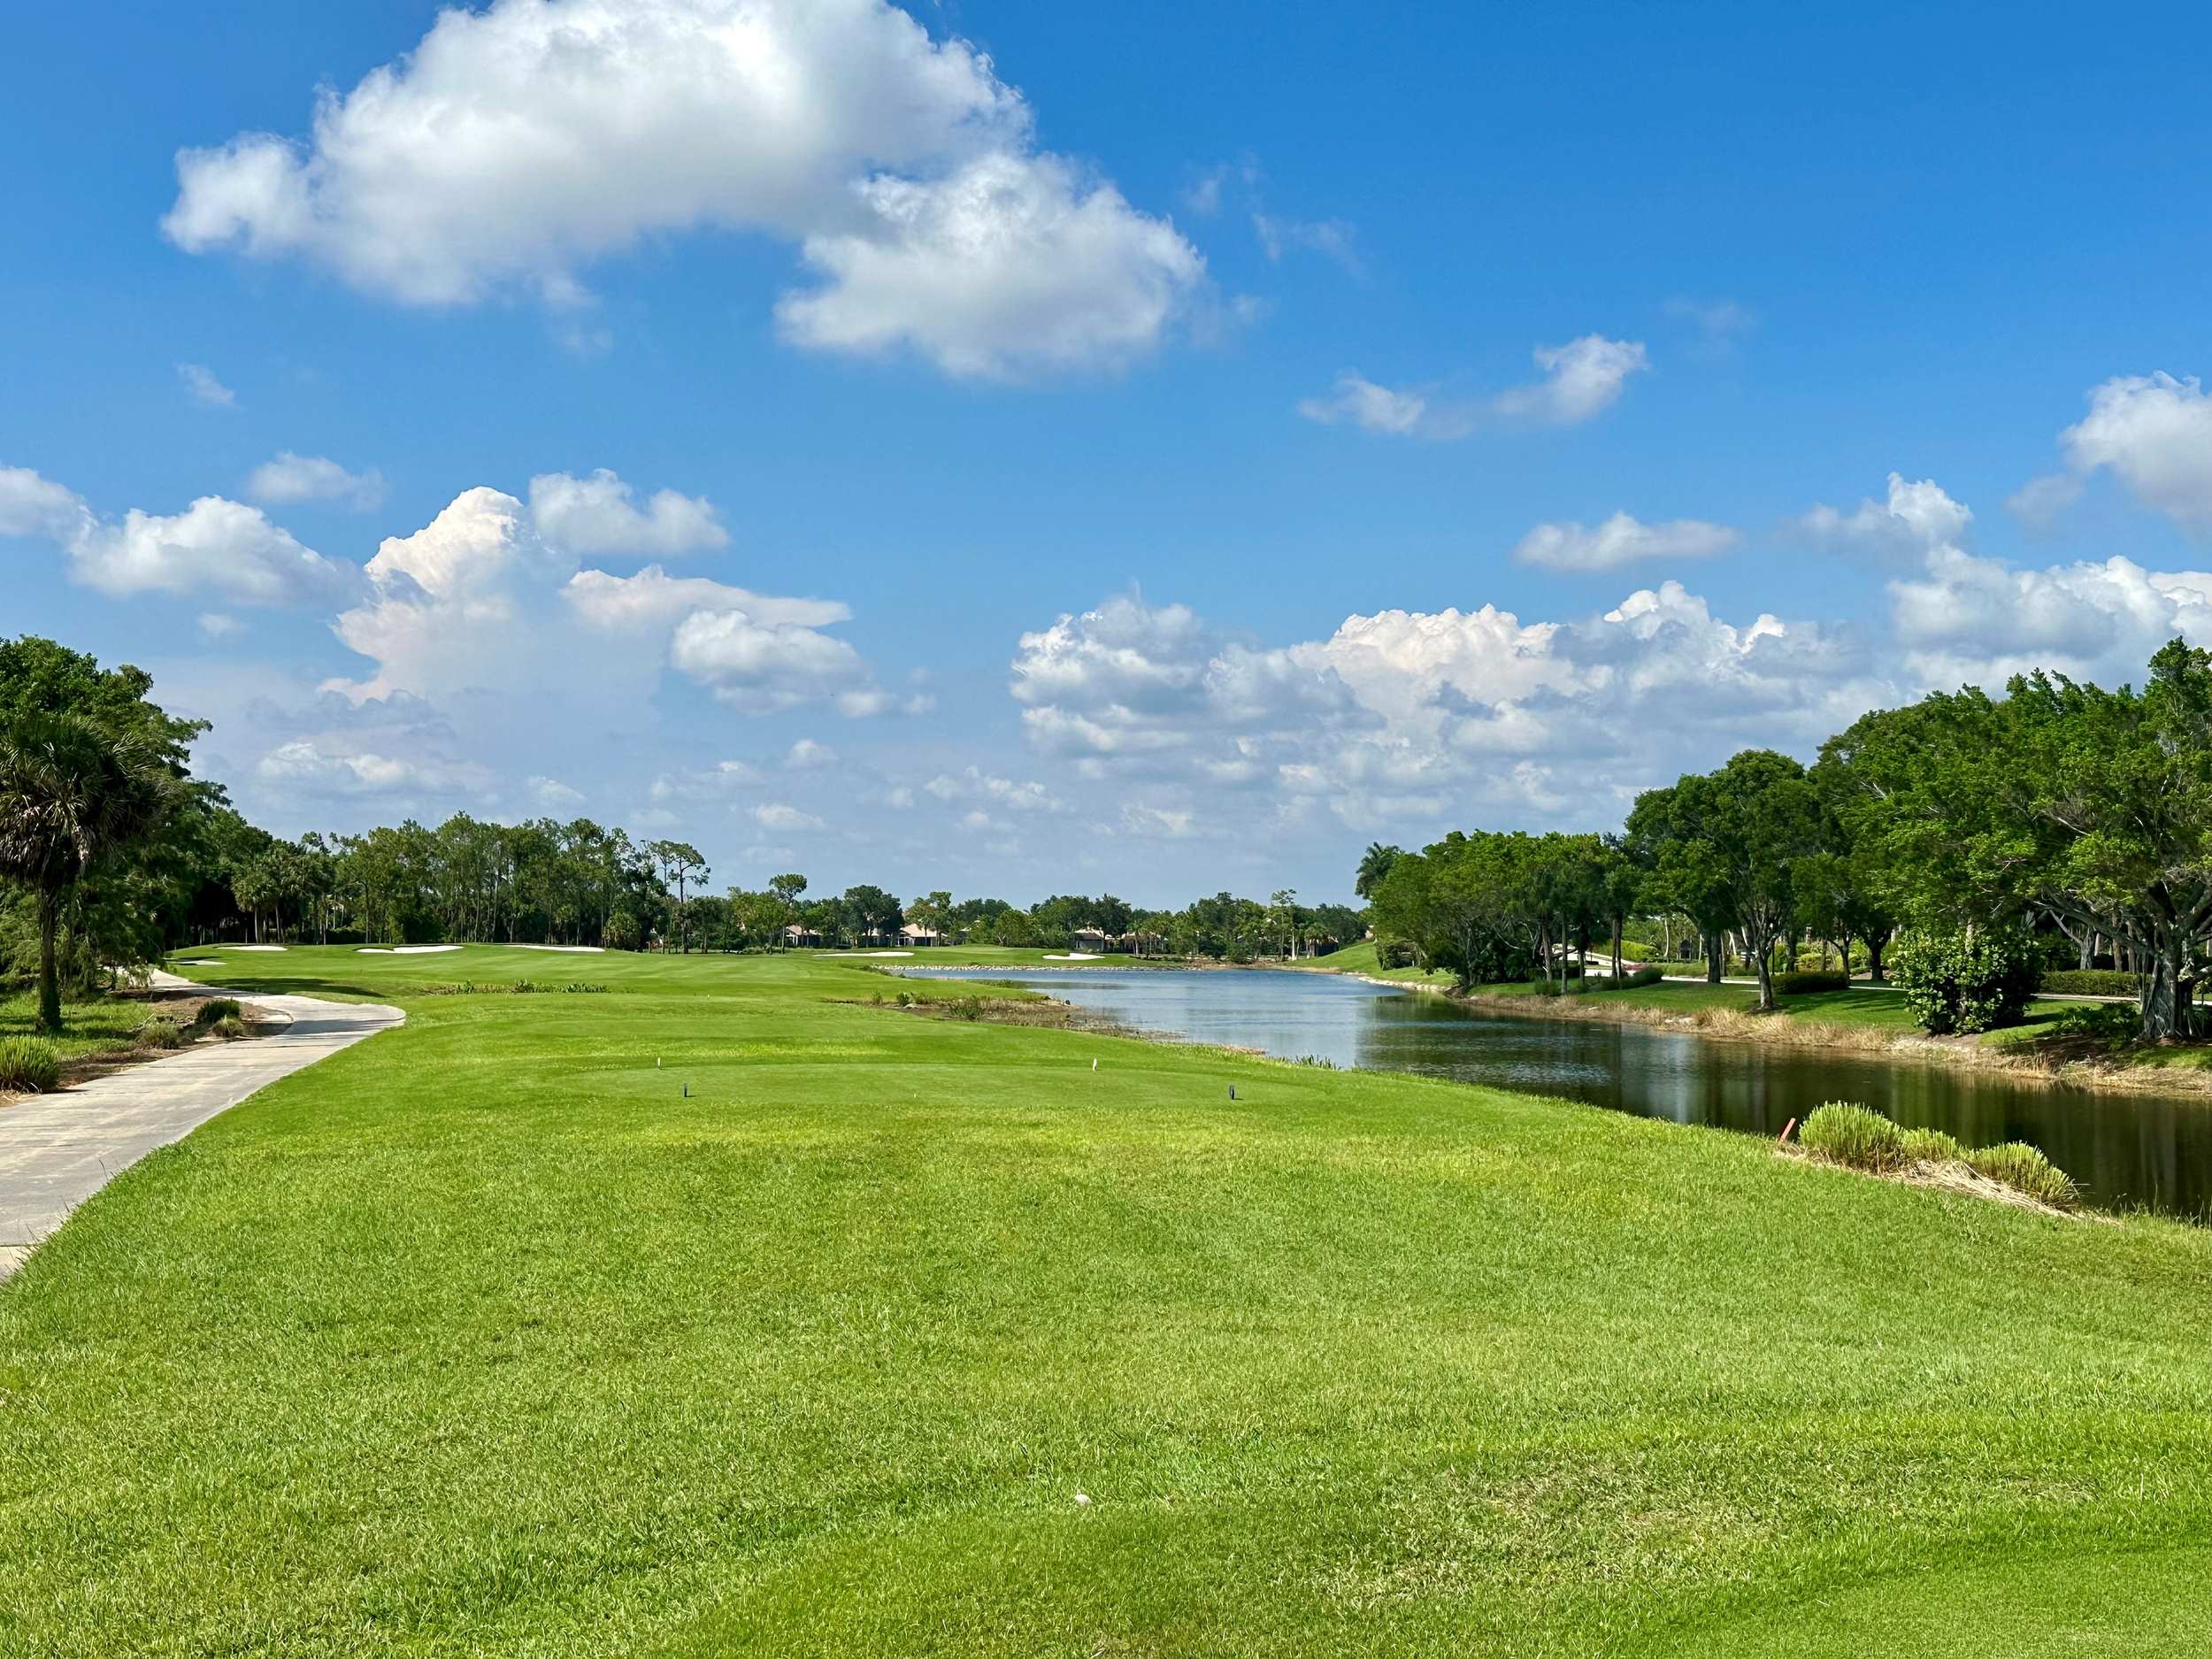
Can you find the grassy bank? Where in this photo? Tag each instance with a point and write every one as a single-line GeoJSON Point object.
{"type": "Point", "coordinates": [486, 1336]}
{"type": "Point", "coordinates": [1866, 1019]}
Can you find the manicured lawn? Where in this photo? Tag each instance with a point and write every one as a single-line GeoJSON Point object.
{"type": "Point", "coordinates": [485, 1337]}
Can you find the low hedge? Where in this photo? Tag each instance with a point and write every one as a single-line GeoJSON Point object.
{"type": "Point", "coordinates": [2091, 982]}
{"type": "Point", "coordinates": [1803, 984]}
{"type": "Point", "coordinates": [1647, 975]}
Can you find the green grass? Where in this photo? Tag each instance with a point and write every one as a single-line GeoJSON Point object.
{"type": "Point", "coordinates": [482, 1338]}
{"type": "Point", "coordinates": [91, 1027]}
{"type": "Point", "coordinates": [1361, 958]}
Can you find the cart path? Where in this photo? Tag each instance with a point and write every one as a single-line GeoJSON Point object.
{"type": "Point", "coordinates": [57, 1150]}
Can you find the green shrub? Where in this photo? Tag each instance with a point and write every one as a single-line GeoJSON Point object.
{"type": "Point", "coordinates": [2110, 1025]}
{"type": "Point", "coordinates": [2024, 1169]}
{"type": "Point", "coordinates": [229, 1028]}
{"type": "Point", "coordinates": [218, 1008]}
{"type": "Point", "coordinates": [967, 1007]}
{"type": "Point", "coordinates": [1805, 983]}
{"type": "Point", "coordinates": [1546, 987]}
{"type": "Point", "coordinates": [29, 1066]}
{"type": "Point", "coordinates": [1397, 953]}
{"type": "Point", "coordinates": [1932, 1146]}
{"type": "Point", "coordinates": [1855, 1135]}
{"type": "Point", "coordinates": [2091, 982]}
{"type": "Point", "coordinates": [160, 1033]}
{"type": "Point", "coordinates": [1955, 983]}
{"type": "Point", "coordinates": [584, 988]}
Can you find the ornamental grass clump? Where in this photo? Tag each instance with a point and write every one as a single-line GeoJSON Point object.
{"type": "Point", "coordinates": [29, 1066]}
{"type": "Point", "coordinates": [217, 1008]}
{"type": "Point", "coordinates": [1862, 1139]}
{"type": "Point", "coordinates": [1932, 1146]}
{"type": "Point", "coordinates": [229, 1028]}
{"type": "Point", "coordinates": [161, 1034]}
{"type": "Point", "coordinates": [1855, 1135]}
{"type": "Point", "coordinates": [2024, 1169]}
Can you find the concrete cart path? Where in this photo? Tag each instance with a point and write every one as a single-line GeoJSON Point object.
{"type": "Point", "coordinates": [57, 1150]}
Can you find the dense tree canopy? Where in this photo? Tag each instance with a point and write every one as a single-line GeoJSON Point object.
{"type": "Point", "coordinates": [2088, 806]}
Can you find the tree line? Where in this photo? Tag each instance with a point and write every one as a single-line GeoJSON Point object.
{"type": "Point", "coordinates": [1986, 835]}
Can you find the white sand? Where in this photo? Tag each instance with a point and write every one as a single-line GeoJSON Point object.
{"type": "Point", "coordinates": [249, 946]}
{"type": "Point", "coordinates": [198, 962]}
{"type": "Point", "coordinates": [406, 950]}
{"type": "Point", "coordinates": [568, 951]}
{"type": "Point", "coordinates": [886, 953]}
{"type": "Point", "coordinates": [1072, 956]}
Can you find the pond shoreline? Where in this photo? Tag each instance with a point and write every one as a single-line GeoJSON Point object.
{"type": "Point", "coordinates": [1726, 1026]}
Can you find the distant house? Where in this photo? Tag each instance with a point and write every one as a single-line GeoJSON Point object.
{"type": "Point", "coordinates": [799, 936]}
{"type": "Point", "coordinates": [873, 936]}
{"type": "Point", "coordinates": [915, 934]}
{"type": "Point", "coordinates": [1090, 939]}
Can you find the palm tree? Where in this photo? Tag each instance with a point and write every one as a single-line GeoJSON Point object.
{"type": "Point", "coordinates": [72, 794]}
{"type": "Point", "coordinates": [1374, 864]}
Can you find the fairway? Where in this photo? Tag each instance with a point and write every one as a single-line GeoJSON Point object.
{"type": "Point", "coordinates": [716, 1311]}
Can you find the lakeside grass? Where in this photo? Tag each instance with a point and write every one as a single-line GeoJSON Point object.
{"type": "Point", "coordinates": [481, 1337]}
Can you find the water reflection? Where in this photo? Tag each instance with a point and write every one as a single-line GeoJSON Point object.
{"type": "Point", "coordinates": [2125, 1149]}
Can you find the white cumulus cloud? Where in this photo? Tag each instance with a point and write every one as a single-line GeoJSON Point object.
{"type": "Point", "coordinates": [777, 815]}
{"type": "Point", "coordinates": [758, 667]}
{"type": "Point", "coordinates": [215, 547]}
{"type": "Point", "coordinates": [1911, 519]}
{"type": "Point", "coordinates": [2155, 432]}
{"type": "Point", "coordinates": [291, 478]}
{"type": "Point", "coordinates": [202, 388]}
{"type": "Point", "coordinates": [519, 144]}
{"type": "Point", "coordinates": [1357, 401]}
{"type": "Point", "coordinates": [1621, 541]}
{"type": "Point", "coordinates": [598, 515]}
{"type": "Point", "coordinates": [1582, 379]}
{"type": "Point", "coordinates": [31, 506]}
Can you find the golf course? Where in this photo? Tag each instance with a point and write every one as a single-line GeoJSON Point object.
{"type": "Point", "coordinates": [653, 1304]}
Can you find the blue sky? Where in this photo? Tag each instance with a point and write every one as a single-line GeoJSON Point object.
{"type": "Point", "coordinates": [1093, 437]}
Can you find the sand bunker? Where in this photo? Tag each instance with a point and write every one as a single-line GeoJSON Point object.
{"type": "Point", "coordinates": [249, 946]}
{"type": "Point", "coordinates": [886, 953]}
{"type": "Point", "coordinates": [571, 950]}
{"type": "Point", "coordinates": [406, 950]}
{"type": "Point", "coordinates": [1071, 956]}
{"type": "Point", "coordinates": [198, 962]}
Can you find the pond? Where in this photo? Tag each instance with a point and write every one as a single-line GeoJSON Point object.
{"type": "Point", "coordinates": [2127, 1151]}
